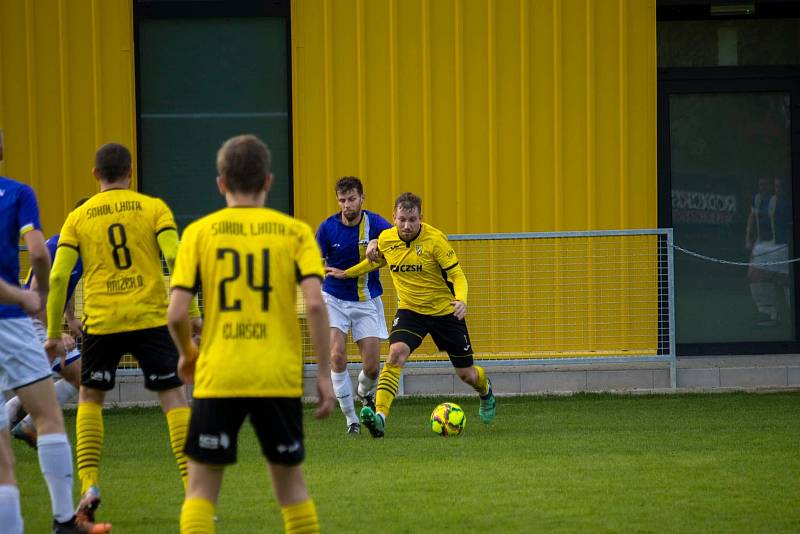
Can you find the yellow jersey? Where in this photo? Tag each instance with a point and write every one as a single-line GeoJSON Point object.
{"type": "Point", "coordinates": [248, 262]}
{"type": "Point", "coordinates": [115, 233]}
{"type": "Point", "coordinates": [425, 270]}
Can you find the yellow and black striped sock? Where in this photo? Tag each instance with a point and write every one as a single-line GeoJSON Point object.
{"type": "Point", "coordinates": [178, 423]}
{"type": "Point", "coordinates": [300, 518]}
{"type": "Point", "coordinates": [197, 516]}
{"type": "Point", "coordinates": [482, 385]}
{"type": "Point", "coordinates": [388, 383]}
{"type": "Point", "coordinates": [89, 430]}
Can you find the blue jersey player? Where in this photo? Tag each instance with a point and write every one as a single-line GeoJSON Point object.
{"type": "Point", "coordinates": [21, 424]}
{"type": "Point", "coordinates": [354, 305]}
{"type": "Point", "coordinates": [25, 369]}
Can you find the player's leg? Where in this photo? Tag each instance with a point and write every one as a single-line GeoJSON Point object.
{"type": "Point", "coordinates": [211, 444]}
{"type": "Point", "coordinates": [342, 385]}
{"type": "Point", "coordinates": [297, 508]}
{"type": "Point", "coordinates": [197, 512]}
{"type": "Point", "coordinates": [66, 389]}
{"type": "Point", "coordinates": [338, 315]}
{"type": "Point", "coordinates": [369, 329]}
{"type": "Point", "coordinates": [28, 374]}
{"type": "Point", "coordinates": [10, 511]}
{"type": "Point", "coordinates": [451, 335]}
{"type": "Point", "coordinates": [157, 356]}
{"type": "Point", "coordinates": [278, 423]}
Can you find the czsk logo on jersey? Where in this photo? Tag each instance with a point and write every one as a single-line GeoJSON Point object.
{"type": "Point", "coordinates": [415, 268]}
{"type": "Point", "coordinates": [213, 442]}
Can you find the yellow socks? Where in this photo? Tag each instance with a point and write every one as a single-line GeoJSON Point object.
{"type": "Point", "coordinates": [388, 383]}
{"type": "Point", "coordinates": [482, 386]}
{"type": "Point", "coordinates": [89, 429]}
{"type": "Point", "coordinates": [178, 423]}
{"type": "Point", "coordinates": [300, 518]}
{"type": "Point", "coordinates": [197, 516]}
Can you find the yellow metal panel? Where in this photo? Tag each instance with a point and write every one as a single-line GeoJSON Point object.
{"type": "Point", "coordinates": [66, 86]}
{"type": "Point", "coordinates": [505, 115]}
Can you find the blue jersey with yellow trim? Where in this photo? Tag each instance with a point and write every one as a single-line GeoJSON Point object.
{"type": "Point", "coordinates": [343, 246]}
{"type": "Point", "coordinates": [19, 214]}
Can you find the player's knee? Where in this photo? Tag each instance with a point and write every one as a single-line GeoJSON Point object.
{"type": "Point", "coordinates": [338, 361]}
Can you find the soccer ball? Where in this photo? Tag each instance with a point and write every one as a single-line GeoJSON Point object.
{"type": "Point", "coordinates": [448, 419]}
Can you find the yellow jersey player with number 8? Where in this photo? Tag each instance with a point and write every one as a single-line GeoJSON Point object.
{"type": "Point", "coordinates": [120, 236]}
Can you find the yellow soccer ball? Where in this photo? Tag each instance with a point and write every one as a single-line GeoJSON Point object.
{"type": "Point", "coordinates": [448, 419]}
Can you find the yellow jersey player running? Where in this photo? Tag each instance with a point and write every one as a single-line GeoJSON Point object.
{"type": "Point", "coordinates": [119, 235]}
{"type": "Point", "coordinates": [248, 260]}
{"type": "Point", "coordinates": [432, 293]}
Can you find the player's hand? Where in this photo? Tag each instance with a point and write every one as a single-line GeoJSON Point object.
{"type": "Point", "coordinates": [186, 369]}
{"type": "Point", "coordinates": [335, 273]}
{"type": "Point", "coordinates": [55, 349]}
{"type": "Point", "coordinates": [372, 252]}
{"type": "Point", "coordinates": [30, 301]}
{"type": "Point", "coordinates": [197, 329]}
{"type": "Point", "coordinates": [459, 309]}
{"type": "Point", "coordinates": [69, 342]}
{"type": "Point", "coordinates": [327, 400]}
{"type": "Point", "coordinates": [76, 326]}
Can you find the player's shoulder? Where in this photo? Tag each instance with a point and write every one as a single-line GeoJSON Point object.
{"type": "Point", "coordinates": [388, 235]}
{"type": "Point", "coordinates": [328, 224]}
{"type": "Point", "coordinates": [375, 216]}
{"type": "Point", "coordinates": [433, 233]}
{"type": "Point", "coordinates": [12, 187]}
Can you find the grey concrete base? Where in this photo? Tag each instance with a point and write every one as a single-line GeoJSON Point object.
{"type": "Point", "coordinates": [695, 374]}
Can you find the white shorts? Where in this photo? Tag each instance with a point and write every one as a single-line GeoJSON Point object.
{"type": "Point", "coordinates": [41, 332]}
{"type": "Point", "coordinates": [22, 357]}
{"type": "Point", "coordinates": [769, 252]}
{"type": "Point", "coordinates": [364, 319]}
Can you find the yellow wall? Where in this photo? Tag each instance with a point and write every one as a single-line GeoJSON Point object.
{"type": "Point", "coordinates": [505, 115]}
{"type": "Point", "coordinates": [66, 87]}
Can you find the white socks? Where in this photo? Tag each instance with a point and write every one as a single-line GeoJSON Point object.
{"type": "Point", "coordinates": [10, 512]}
{"type": "Point", "coordinates": [55, 459]}
{"type": "Point", "coordinates": [366, 385]}
{"type": "Point", "coordinates": [343, 388]}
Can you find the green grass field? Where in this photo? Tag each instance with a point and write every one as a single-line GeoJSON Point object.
{"type": "Point", "coordinates": [687, 463]}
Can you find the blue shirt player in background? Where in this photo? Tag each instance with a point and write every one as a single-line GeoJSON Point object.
{"type": "Point", "coordinates": [21, 424]}
{"type": "Point", "coordinates": [25, 369]}
{"type": "Point", "coordinates": [354, 305]}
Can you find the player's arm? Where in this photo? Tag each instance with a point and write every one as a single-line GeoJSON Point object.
{"type": "Point", "coordinates": [168, 243]}
{"type": "Point", "coordinates": [363, 267]}
{"type": "Point", "coordinates": [40, 260]}
{"type": "Point", "coordinates": [448, 261]}
{"type": "Point", "coordinates": [72, 321]}
{"type": "Point", "coordinates": [29, 301]}
{"type": "Point", "coordinates": [319, 328]}
{"type": "Point", "coordinates": [180, 328]}
{"type": "Point", "coordinates": [66, 258]}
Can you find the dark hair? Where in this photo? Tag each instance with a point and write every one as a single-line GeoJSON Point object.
{"type": "Point", "coordinates": [408, 201]}
{"type": "Point", "coordinates": [244, 162]}
{"type": "Point", "coordinates": [112, 161]}
{"type": "Point", "coordinates": [348, 183]}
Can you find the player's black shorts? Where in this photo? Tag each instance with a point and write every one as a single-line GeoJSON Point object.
{"type": "Point", "coordinates": [214, 429]}
{"type": "Point", "coordinates": [152, 348]}
{"type": "Point", "coordinates": [449, 334]}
